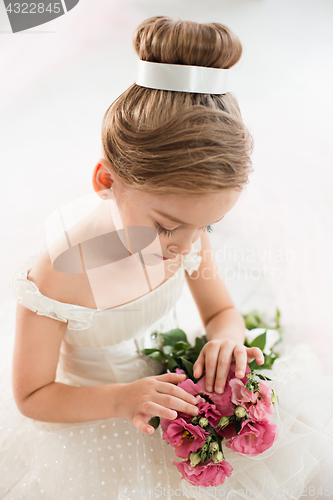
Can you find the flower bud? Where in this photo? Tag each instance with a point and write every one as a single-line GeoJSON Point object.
{"type": "Point", "coordinates": [217, 457]}
{"type": "Point", "coordinates": [195, 420]}
{"type": "Point", "coordinates": [213, 446]}
{"type": "Point", "coordinates": [203, 421]}
{"type": "Point", "coordinates": [240, 412]}
{"type": "Point", "coordinates": [195, 458]}
{"type": "Point", "coordinates": [273, 397]}
{"type": "Point", "coordinates": [204, 447]}
{"type": "Point", "coordinates": [223, 422]}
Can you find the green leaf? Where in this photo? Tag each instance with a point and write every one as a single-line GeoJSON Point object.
{"type": "Point", "coordinates": [181, 345]}
{"type": "Point", "coordinates": [188, 367]}
{"type": "Point", "coordinates": [254, 365]}
{"type": "Point", "coordinates": [149, 351]}
{"type": "Point", "coordinates": [277, 317]}
{"type": "Point", "coordinates": [259, 341]}
{"type": "Point", "coordinates": [199, 343]}
{"type": "Point", "coordinates": [269, 360]}
{"type": "Point", "coordinates": [171, 364]}
{"type": "Point", "coordinates": [173, 336]}
{"type": "Point", "coordinates": [257, 316]}
{"type": "Point", "coordinates": [262, 377]}
{"type": "Point", "coordinates": [154, 422]}
{"type": "Point", "coordinates": [237, 425]}
{"type": "Point", "coordinates": [251, 321]}
{"type": "Point", "coordinates": [167, 349]}
{"type": "Point", "coordinates": [158, 356]}
{"type": "Point", "coordinates": [219, 441]}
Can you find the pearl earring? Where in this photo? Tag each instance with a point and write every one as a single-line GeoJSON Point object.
{"type": "Point", "coordinates": [104, 195]}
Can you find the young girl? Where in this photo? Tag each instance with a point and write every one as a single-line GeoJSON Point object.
{"type": "Point", "coordinates": [75, 425]}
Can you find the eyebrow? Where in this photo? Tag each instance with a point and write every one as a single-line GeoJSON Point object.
{"type": "Point", "coordinates": [174, 219]}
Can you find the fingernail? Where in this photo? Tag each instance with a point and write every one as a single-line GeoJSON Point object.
{"type": "Point", "coordinates": [240, 372]}
{"type": "Point", "coordinates": [219, 389]}
{"type": "Point", "coordinates": [209, 388]}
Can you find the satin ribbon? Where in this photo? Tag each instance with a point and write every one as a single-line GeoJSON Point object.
{"type": "Point", "coordinates": [183, 78]}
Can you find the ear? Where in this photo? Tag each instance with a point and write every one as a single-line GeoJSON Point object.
{"type": "Point", "coordinates": [101, 178]}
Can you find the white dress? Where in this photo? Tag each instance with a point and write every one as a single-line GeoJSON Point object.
{"type": "Point", "coordinates": [110, 458]}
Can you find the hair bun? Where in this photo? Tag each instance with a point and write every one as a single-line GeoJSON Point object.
{"type": "Point", "coordinates": [173, 41]}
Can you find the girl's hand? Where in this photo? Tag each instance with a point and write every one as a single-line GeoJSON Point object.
{"type": "Point", "coordinates": [154, 396]}
{"type": "Point", "coordinates": [216, 356]}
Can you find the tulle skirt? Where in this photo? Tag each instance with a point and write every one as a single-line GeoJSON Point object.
{"type": "Point", "coordinates": [111, 459]}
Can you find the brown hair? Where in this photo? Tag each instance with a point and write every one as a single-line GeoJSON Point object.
{"type": "Point", "coordinates": [163, 141]}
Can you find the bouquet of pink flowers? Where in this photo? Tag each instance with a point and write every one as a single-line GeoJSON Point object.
{"type": "Point", "coordinates": [240, 416]}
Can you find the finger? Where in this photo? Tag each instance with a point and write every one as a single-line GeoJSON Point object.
{"type": "Point", "coordinates": [167, 406]}
{"type": "Point", "coordinates": [167, 388]}
{"type": "Point", "coordinates": [255, 353]}
{"type": "Point", "coordinates": [173, 378]}
{"type": "Point", "coordinates": [174, 403]}
{"type": "Point", "coordinates": [198, 366]}
{"type": "Point", "coordinates": [140, 421]}
{"type": "Point", "coordinates": [223, 365]}
{"type": "Point", "coordinates": [240, 356]}
{"type": "Point", "coordinates": [211, 365]}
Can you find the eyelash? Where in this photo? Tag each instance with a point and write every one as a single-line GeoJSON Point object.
{"type": "Point", "coordinates": [169, 232]}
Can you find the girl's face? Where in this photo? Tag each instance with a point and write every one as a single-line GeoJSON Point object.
{"type": "Point", "coordinates": [179, 219]}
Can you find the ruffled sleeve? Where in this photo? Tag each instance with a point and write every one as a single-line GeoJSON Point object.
{"type": "Point", "coordinates": [27, 292]}
{"type": "Point", "coordinates": [192, 261]}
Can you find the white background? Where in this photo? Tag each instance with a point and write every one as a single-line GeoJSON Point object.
{"type": "Point", "coordinates": [58, 79]}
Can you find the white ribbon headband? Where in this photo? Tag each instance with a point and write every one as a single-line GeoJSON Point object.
{"type": "Point", "coordinates": [181, 77]}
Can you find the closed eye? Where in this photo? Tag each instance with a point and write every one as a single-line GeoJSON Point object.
{"type": "Point", "coordinates": [168, 232]}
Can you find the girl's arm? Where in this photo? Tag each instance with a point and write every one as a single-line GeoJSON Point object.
{"type": "Point", "coordinates": [38, 340]}
{"type": "Point", "coordinates": [36, 353]}
{"type": "Point", "coordinates": [224, 325]}
{"type": "Point", "coordinates": [38, 396]}
{"type": "Point", "coordinates": [212, 297]}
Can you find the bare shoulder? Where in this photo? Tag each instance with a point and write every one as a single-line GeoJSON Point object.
{"type": "Point", "coordinates": [71, 288]}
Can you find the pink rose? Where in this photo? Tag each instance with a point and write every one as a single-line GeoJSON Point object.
{"type": "Point", "coordinates": [258, 404]}
{"type": "Point", "coordinates": [178, 370]}
{"type": "Point", "coordinates": [210, 474]}
{"type": "Point", "coordinates": [209, 411]}
{"type": "Point", "coordinates": [228, 431]}
{"type": "Point", "coordinates": [184, 437]}
{"type": "Point", "coordinates": [189, 386]}
{"type": "Point", "coordinates": [240, 394]}
{"type": "Point", "coordinates": [221, 401]}
{"type": "Point", "coordinates": [253, 438]}
{"type": "Point", "coordinates": [263, 409]}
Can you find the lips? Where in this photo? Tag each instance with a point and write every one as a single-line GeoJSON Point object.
{"type": "Point", "coordinates": [164, 258]}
